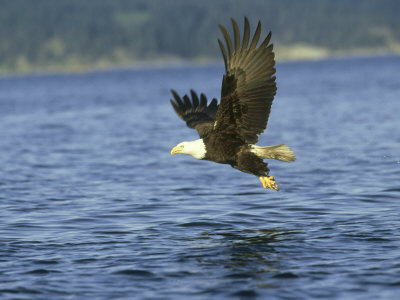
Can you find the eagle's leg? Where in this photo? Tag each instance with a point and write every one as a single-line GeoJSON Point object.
{"type": "Point", "coordinates": [250, 163]}
{"type": "Point", "coordinates": [269, 182]}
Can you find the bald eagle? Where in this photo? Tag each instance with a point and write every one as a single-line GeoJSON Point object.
{"type": "Point", "coordinates": [228, 131]}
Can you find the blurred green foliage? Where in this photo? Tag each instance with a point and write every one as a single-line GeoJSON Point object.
{"type": "Point", "coordinates": [75, 34]}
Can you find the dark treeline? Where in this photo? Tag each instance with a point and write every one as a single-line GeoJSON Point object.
{"type": "Point", "coordinates": [76, 34]}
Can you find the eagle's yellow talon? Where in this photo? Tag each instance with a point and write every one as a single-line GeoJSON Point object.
{"type": "Point", "coordinates": [269, 182]}
{"type": "Point", "coordinates": [263, 182]}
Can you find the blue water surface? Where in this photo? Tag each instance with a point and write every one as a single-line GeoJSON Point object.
{"type": "Point", "coordinates": [93, 206]}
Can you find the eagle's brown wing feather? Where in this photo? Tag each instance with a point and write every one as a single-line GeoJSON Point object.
{"type": "Point", "coordinates": [196, 113]}
{"type": "Point", "coordinates": [248, 86]}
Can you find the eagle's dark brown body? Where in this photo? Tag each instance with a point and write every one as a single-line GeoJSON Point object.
{"type": "Point", "coordinates": [229, 131]}
{"type": "Point", "coordinates": [238, 155]}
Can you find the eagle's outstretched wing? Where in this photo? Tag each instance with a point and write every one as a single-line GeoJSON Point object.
{"type": "Point", "coordinates": [248, 86]}
{"type": "Point", "coordinates": [195, 112]}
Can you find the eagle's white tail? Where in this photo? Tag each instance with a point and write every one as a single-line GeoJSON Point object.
{"type": "Point", "coordinates": [279, 152]}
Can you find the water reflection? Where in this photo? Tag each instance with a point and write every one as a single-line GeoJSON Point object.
{"type": "Point", "coordinates": [246, 258]}
{"type": "Point", "coordinates": [243, 253]}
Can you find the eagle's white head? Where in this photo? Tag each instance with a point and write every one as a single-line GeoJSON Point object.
{"type": "Point", "coordinates": [196, 148]}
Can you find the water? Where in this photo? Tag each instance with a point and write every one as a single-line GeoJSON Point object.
{"type": "Point", "coordinates": [92, 205]}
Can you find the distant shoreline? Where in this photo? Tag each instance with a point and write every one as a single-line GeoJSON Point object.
{"type": "Point", "coordinates": [283, 55]}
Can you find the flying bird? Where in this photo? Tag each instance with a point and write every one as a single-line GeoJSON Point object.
{"type": "Point", "coordinates": [229, 131]}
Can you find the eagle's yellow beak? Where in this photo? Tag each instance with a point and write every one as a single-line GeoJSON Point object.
{"type": "Point", "coordinates": [175, 150]}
